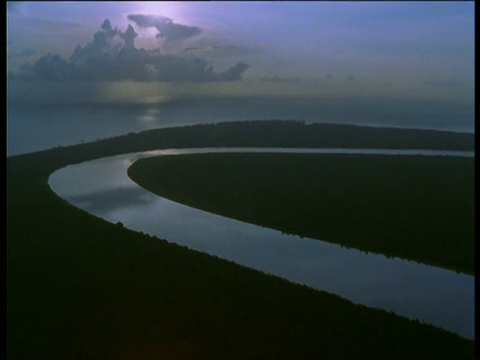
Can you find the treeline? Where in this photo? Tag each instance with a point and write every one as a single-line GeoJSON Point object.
{"type": "Point", "coordinates": [82, 288]}
{"type": "Point", "coordinates": [295, 133]}
{"type": "Point", "coordinates": [259, 133]}
{"type": "Point", "coordinates": [280, 133]}
{"type": "Point", "coordinates": [414, 207]}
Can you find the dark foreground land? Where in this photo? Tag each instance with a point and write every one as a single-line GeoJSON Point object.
{"type": "Point", "coordinates": [79, 287]}
{"type": "Point", "coordinates": [414, 207]}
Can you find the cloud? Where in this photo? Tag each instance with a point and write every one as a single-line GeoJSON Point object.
{"type": "Point", "coordinates": [168, 30]}
{"type": "Point", "coordinates": [277, 79]}
{"type": "Point", "coordinates": [220, 51]}
{"type": "Point", "coordinates": [112, 56]}
{"type": "Point", "coordinates": [103, 44]}
{"type": "Point", "coordinates": [192, 48]}
{"type": "Point", "coordinates": [452, 83]}
{"type": "Point", "coordinates": [234, 72]}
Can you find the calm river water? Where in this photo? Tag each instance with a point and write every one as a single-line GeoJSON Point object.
{"type": "Point", "coordinates": [437, 296]}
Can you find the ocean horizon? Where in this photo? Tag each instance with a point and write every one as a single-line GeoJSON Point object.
{"type": "Point", "coordinates": [33, 128]}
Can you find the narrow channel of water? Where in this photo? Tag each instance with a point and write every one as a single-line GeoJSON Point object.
{"type": "Point", "coordinates": [437, 296]}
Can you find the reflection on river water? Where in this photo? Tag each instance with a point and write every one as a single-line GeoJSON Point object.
{"type": "Point", "coordinates": [434, 295]}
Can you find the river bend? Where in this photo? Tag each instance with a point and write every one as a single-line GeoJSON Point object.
{"type": "Point", "coordinates": [437, 296]}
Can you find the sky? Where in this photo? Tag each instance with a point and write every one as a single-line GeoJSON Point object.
{"type": "Point", "coordinates": [59, 50]}
{"type": "Point", "coordinates": [71, 53]}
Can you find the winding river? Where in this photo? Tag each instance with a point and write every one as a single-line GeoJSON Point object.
{"type": "Point", "coordinates": [433, 295]}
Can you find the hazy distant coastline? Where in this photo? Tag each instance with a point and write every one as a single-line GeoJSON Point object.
{"type": "Point", "coordinates": [39, 127]}
{"type": "Point", "coordinates": [79, 287]}
{"type": "Point", "coordinates": [282, 133]}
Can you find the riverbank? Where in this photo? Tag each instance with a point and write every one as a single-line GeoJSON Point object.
{"type": "Point", "coordinates": [79, 287]}
{"type": "Point", "coordinates": [414, 207]}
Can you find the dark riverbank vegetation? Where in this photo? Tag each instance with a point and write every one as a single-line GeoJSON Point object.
{"type": "Point", "coordinates": [413, 207]}
{"type": "Point", "coordinates": [79, 287]}
{"type": "Point", "coordinates": [281, 133]}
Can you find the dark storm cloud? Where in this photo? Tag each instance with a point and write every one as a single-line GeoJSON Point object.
{"type": "Point", "coordinates": [102, 44]}
{"type": "Point", "coordinates": [234, 72]}
{"type": "Point", "coordinates": [112, 56]}
{"type": "Point", "coordinates": [168, 30]}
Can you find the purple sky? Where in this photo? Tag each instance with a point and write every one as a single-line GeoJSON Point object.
{"type": "Point", "coordinates": [328, 49]}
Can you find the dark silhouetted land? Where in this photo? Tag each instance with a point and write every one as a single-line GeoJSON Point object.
{"type": "Point", "coordinates": [79, 287]}
{"type": "Point", "coordinates": [414, 207]}
{"type": "Point", "coordinates": [276, 133]}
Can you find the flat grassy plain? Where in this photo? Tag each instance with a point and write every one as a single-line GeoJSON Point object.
{"type": "Point", "coordinates": [79, 287]}
{"type": "Point", "coordinates": [414, 207]}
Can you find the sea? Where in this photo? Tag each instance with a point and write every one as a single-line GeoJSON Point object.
{"type": "Point", "coordinates": [32, 128]}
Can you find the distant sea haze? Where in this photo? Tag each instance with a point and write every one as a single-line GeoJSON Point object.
{"type": "Point", "coordinates": [39, 127]}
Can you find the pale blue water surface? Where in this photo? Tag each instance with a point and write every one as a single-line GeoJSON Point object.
{"type": "Point", "coordinates": [437, 296]}
{"type": "Point", "coordinates": [39, 127]}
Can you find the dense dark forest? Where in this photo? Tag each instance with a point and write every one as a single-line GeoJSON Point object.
{"type": "Point", "coordinates": [415, 207]}
{"type": "Point", "coordinates": [279, 133]}
{"type": "Point", "coordinates": [294, 133]}
{"type": "Point", "coordinates": [79, 287]}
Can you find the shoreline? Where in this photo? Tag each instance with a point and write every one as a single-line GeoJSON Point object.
{"type": "Point", "coordinates": [79, 287]}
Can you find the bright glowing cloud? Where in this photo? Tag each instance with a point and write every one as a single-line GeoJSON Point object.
{"type": "Point", "coordinates": [112, 56]}
{"type": "Point", "coordinates": [396, 49]}
{"type": "Point", "coordinates": [168, 30]}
